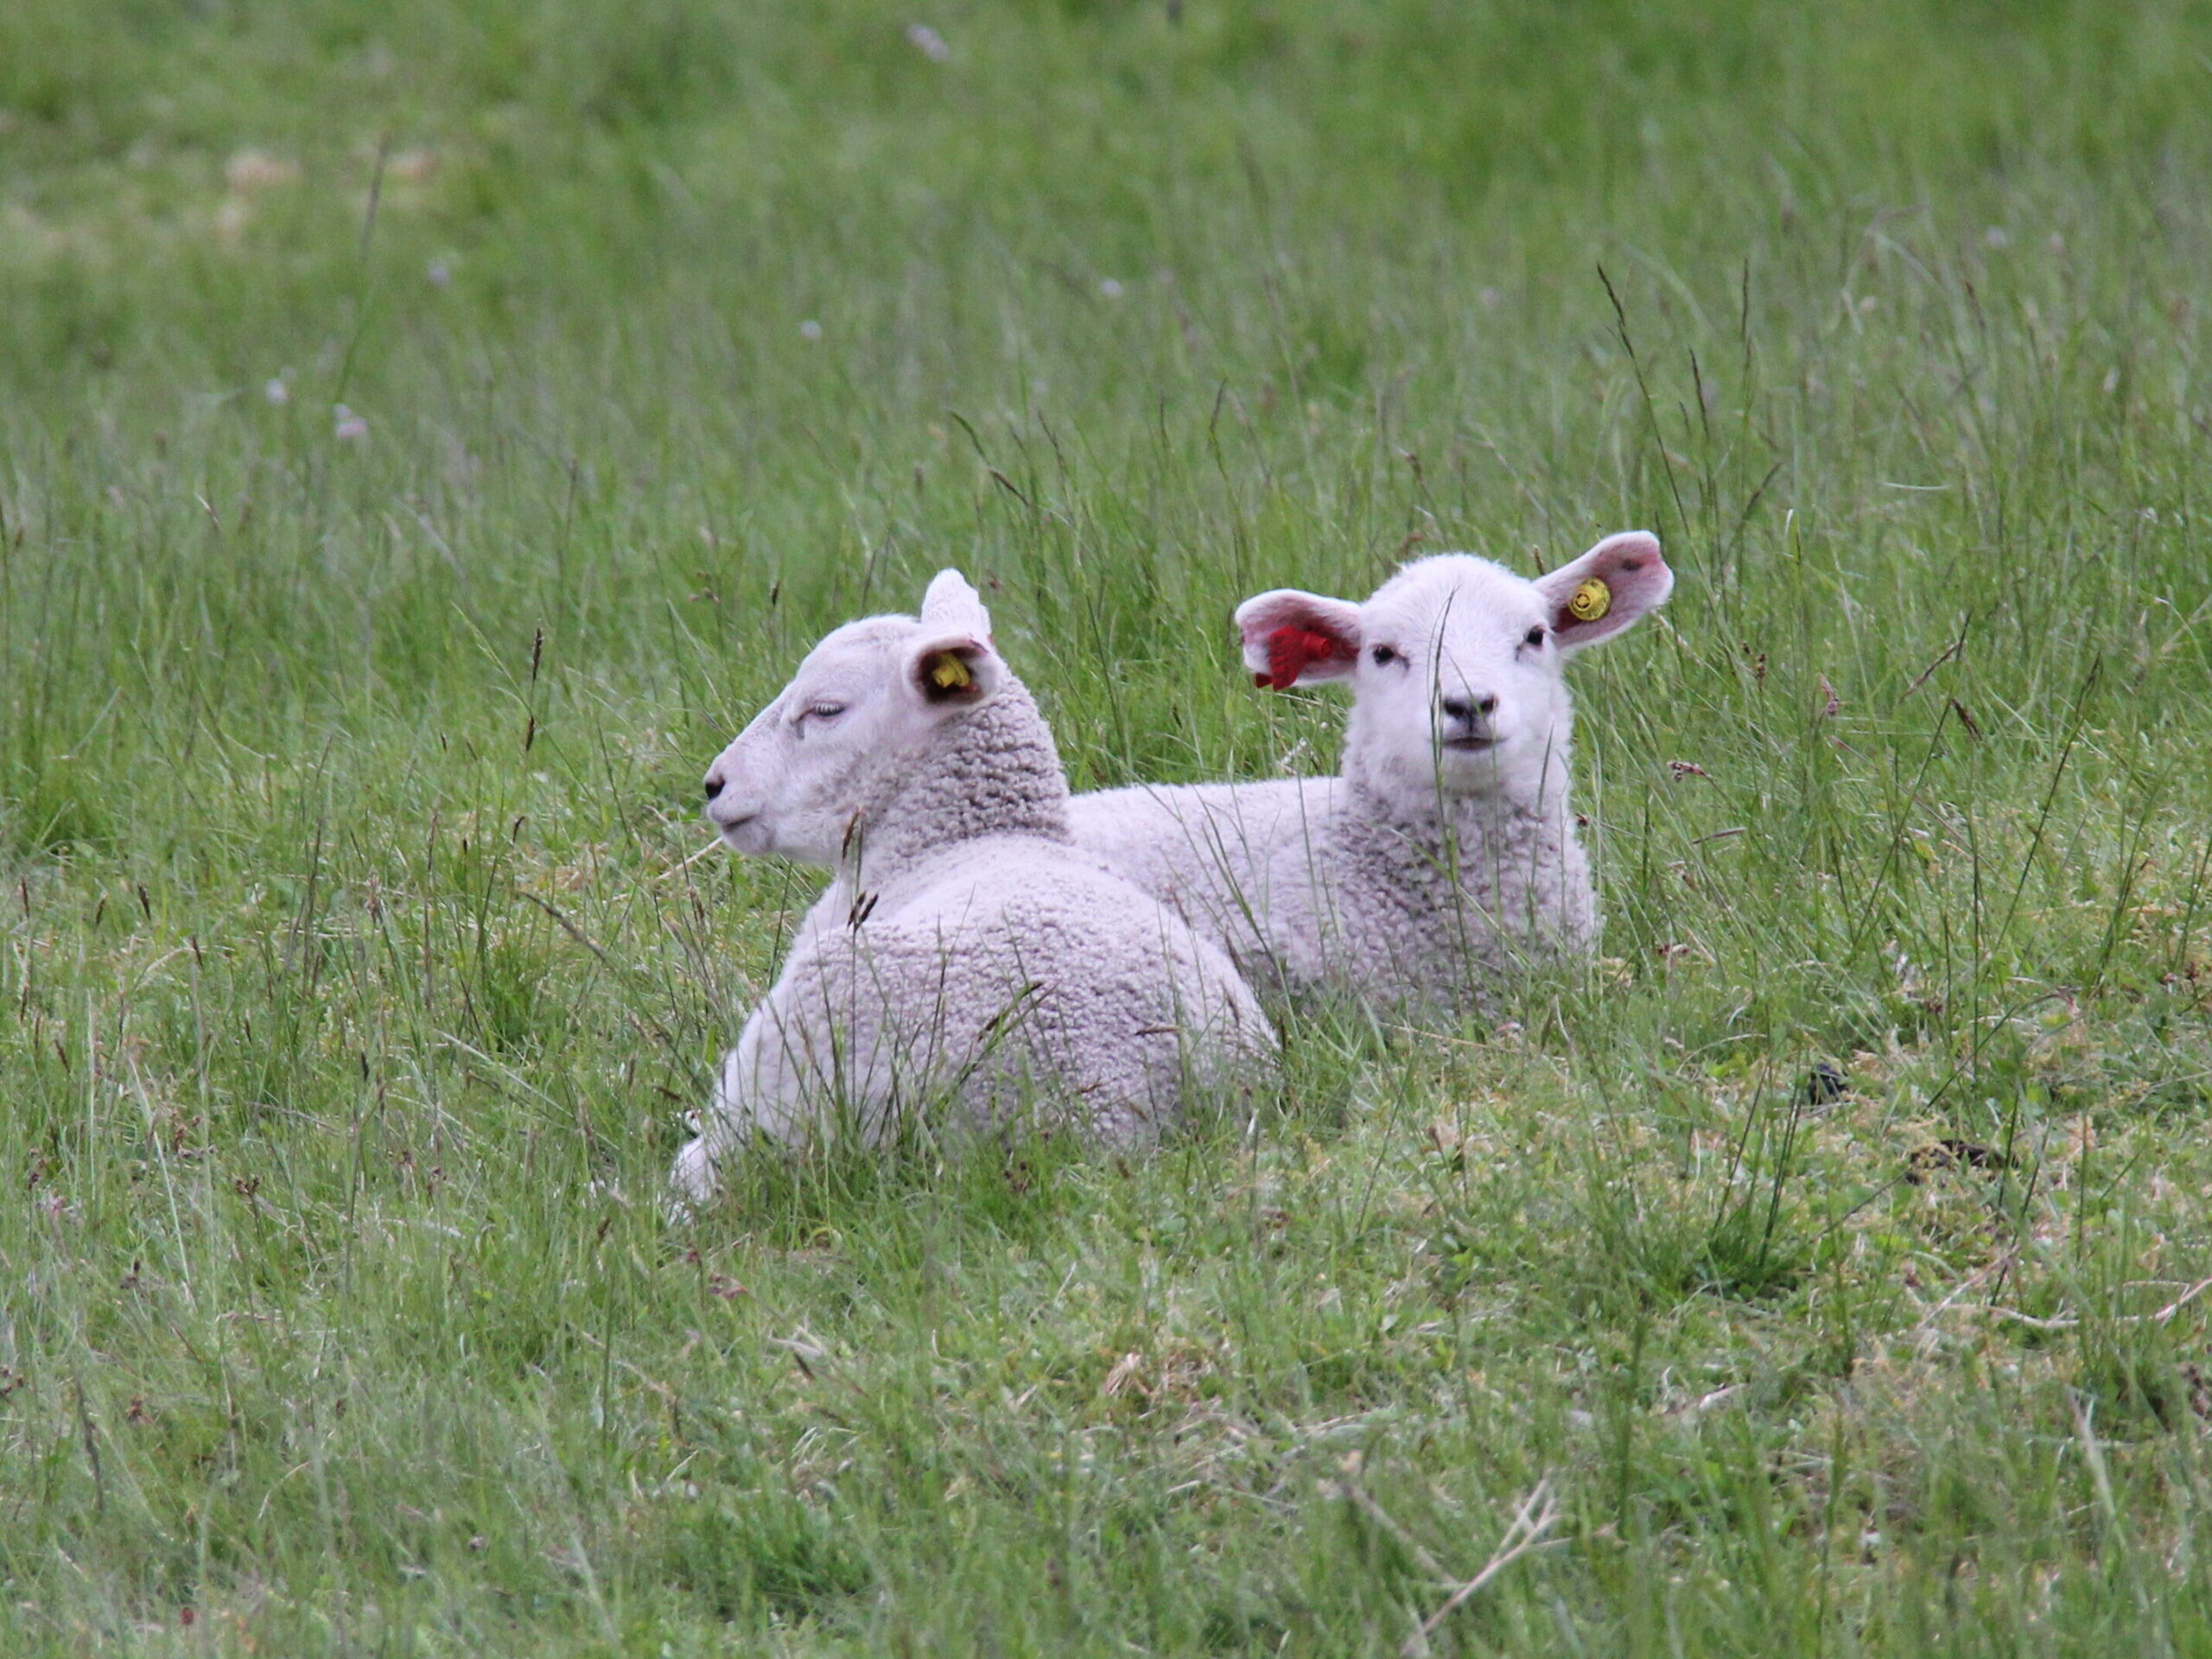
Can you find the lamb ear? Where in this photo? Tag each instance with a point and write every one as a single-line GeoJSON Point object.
{"type": "Point", "coordinates": [1605, 589]}
{"type": "Point", "coordinates": [953, 668]}
{"type": "Point", "coordinates": [1298, 639]}
{"type": "Point", "coordinates": [950, 604]}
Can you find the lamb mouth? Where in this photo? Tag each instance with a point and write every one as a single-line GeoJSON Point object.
{"type": "Point", "coordinates": [1472, 745]}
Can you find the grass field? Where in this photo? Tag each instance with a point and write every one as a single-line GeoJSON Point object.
{"type": "Point", "coordinates": [357, 960]}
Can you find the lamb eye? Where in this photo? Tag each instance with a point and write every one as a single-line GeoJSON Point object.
{"type": "Point", "coordinates": [1382, 655]}
{"type": "Point", "coordinates": [824, 710]}
{"type": "Point", "coordinates": [1534, 637]}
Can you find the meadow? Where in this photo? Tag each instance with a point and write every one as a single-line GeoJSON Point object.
{"type": "Point", "coordinates": [429, 429]}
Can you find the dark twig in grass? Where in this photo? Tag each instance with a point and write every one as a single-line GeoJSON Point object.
{"type": "Point", "coordinates": [376, 195]}
{"type": "Point", "coordinates": [570, 929]}
{"type": "Point", "coordinates": [1650, 415]}
{"type": "Point", "coordinates": [1966, 626]}
{"type": "Point", "coordinates": [802, 1351]}
{"type": "Point", "coordinates": [1870, 915]}
{"type": "Point", "coordinates": [2051, 796]}
{"type": "Point", "coordinates": [368, 280]}
{"type": "Point", "coordinates": [1751, 504]}
{"type": "Point", "coordinates": [660, 1032]}
{"type": "Point", "coordinates": [2181, 935]}
{"type": "Point", "coordinates": [2121, 918]}
{"type": "Point", "coordinates": [91, 1447]}
{"type": "Point", "coordinates": [974, 441]}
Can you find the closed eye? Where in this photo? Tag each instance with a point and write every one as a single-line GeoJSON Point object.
{"type": "Point", "coordinates": [823, 710]}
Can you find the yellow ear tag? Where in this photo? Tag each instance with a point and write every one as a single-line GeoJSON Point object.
{"type": "Point", "coordinates": [948, 673]}
{"type": "Point", "coordinates": [1590, 602]}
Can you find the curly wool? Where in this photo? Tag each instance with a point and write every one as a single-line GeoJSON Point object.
{"type": "Point", "coordinates": [1444, 854]}
{"type": "Point", "coordinates": [1321, 883]}
{"type": "Point", "coordinates": [969, 970]}
{"type": "Point", "coordinates": [994, 772]}
{"type": "Point", "coordinates": [986, 987]}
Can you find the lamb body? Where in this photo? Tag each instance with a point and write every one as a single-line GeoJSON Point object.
{"type": "Point", "coordinates": [1444, 852]}
{"type": "Point", "coordinates": [966, 953]}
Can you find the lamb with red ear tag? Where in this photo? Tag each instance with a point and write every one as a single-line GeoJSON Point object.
{"type": "Point", "coordinates": [968, 966]}
{"type": "Point", "coordinates": [1444, 852]}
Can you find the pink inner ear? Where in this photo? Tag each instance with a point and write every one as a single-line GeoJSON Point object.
{"type": "Point", "coordinates": [1292, 650]}
{"type": "Point", "coordinates": [1638, 576]}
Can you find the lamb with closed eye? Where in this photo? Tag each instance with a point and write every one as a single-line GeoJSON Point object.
{"type": "Point", "coordinates": [969, 966]}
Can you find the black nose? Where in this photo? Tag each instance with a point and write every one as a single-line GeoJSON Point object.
{"type": "Point", "coordinates": [1469, 708]}
{"type": "Point", "coordinates": [713, 784]}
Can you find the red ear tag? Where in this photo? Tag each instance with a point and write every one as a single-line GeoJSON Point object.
{"type": "Point", "coordinates": [1291, 649]}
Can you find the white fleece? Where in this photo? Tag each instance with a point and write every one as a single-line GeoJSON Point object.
{"type": "Point", "coordinates": [968, 964]}
{"type": "Point", "coordinates": [1445, 853]}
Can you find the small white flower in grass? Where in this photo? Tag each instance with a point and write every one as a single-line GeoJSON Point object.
{"type": "Point", "coordinates": [1998, 237]}
{"type": "Point", "coordinates": [1110, 288]}
{"type": "Point", "coordinates": [439, 272]}
{"type": "Point", "coordinates": [276, 391]}
{"type": "Point", "coordinates": [350, 427]}
{"type": "Point", "coordinates": [810, 329]}
{"type": "Point", "coordinates": [927, 41]}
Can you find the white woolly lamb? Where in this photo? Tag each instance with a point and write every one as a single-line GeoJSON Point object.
{"type": "Point", "coordinates": [966, 953]}
{"type": "Point", "coordinates": [1446, 850]}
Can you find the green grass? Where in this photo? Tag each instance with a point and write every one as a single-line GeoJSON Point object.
{"type": "Point", "coordinates": [356, 966]}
